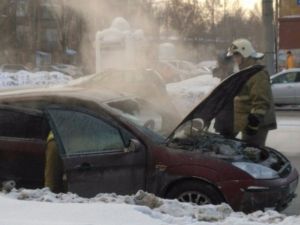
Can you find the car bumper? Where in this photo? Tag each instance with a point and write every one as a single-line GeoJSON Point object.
{"type": "Point", "coordinates": [249, 196]}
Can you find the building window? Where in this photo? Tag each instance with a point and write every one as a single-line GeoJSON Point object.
{"type": "Point", "coordinates": [24, 36]}
{"type": "Point", "coordinates": [22, 9]}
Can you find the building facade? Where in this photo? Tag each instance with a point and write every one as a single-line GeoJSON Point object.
{"type": "Point", "coordinates": [31, 27]}
{"type": "Point", "coordinates": [289, 7]}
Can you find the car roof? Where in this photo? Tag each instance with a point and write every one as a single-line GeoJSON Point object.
{"type": "Point", "coordinates": [286, 71]}
{"type": "Point", "coordinates": [85, 94]}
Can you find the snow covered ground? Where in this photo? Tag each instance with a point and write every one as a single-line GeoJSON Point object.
{"type": "Point", "coordinates": [29, 79]}
{"type": "Point", "coordinates": [188, 93]}
{"type": "Point", "coordinates": [41, 207]}
{"type": "Point", "coordinates": [286, 137]}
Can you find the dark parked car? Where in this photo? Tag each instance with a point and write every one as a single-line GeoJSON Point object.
{"type": "Point", "coordinates": [115, 143]}
{"type": "Point", "coordinates": [12, 68]}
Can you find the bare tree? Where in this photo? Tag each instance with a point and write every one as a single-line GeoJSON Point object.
{"type": "Point", "coordinates": [184, 17]}
{"type": "Point", "coordinates": [8, 29]}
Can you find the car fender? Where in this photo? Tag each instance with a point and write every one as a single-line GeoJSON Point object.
{"type": "Point", "coordinates": [171, 175]}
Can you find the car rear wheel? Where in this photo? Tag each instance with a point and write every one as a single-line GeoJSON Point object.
{"type": "Point", "coordinates": [198, 193]}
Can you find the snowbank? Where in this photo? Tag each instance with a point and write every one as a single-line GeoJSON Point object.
{"type": "Point", "coordinates": [43, 207]}
{"type": "Point", "coordinates": [188, 93]}
{"type": "Point", "coordinates": [29, 79]}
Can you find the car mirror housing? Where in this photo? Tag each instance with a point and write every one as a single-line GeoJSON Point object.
{"type": "Point", "coordinates": [197, 125]}
{"type": "Point", "coordinates": [134, 145]}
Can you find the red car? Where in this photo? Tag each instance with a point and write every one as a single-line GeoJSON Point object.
{"type": "Point", "coordinates": [115, 143]}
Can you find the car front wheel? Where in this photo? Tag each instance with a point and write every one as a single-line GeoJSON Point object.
{"type": "Point", "coordinates": [198, 193]}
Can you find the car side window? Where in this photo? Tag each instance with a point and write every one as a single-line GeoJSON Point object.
{"type": "Point", "coordinates": [298, 77]}
{"type": "Point", "coordinates": [81, 133]}
{"type": "Point", "coordinates": [285, 78]}
{"type": "Point", "coordinates": [16, 124]}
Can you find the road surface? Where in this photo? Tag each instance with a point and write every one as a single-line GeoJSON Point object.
{"type": "Point", "coordinates": [287, 140]}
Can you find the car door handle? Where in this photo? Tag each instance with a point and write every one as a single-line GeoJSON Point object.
{"type": "Point", "coordinates": [84, 167]}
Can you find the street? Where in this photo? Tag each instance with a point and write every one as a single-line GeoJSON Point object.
{"type": "Point", "coordinates": [287, 140]}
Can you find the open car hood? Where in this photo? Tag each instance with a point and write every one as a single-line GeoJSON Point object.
{"type": "Point", "coordinates": [224, 93]}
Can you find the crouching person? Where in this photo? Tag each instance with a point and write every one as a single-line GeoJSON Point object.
{"type": "Point", "coordinates": [54, 171]}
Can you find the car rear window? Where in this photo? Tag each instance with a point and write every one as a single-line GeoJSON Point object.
{"type": "Point", "coordinates": [22, 125]}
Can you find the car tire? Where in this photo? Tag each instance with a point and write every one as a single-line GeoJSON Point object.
{"type": "Point", "coordinates": [196, 192]}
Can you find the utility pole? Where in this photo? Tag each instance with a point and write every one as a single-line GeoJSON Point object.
{"type": "Point", "coordinates": [269, 36]}
{"type": "Point", "coordinates": [276, 33]}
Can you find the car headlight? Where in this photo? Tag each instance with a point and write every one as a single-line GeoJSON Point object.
{"type": "Point", "coordinates": [257, 171]}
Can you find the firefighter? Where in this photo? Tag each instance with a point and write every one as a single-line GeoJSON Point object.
{"type": "Point", "coordinates": [254, 114]}
{"type": "Point", "coordinates": [54, 166]}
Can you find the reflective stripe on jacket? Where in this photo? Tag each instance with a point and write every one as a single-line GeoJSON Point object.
{"type": "Point", "coordinates": [50, 137]}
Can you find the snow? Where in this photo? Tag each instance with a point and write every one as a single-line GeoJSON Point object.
{"type": "Point", "coordinates": [189, 93]}
{"type": "Point", "coordinates": [40, 206]}
{"type": "Point", "coordinates": [29, 79]}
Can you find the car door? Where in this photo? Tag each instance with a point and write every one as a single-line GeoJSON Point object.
{"type": "Point", "coordinates": [94, 154]}
{"type": "Point", "coordinates": [284, 89]}
{"type": "Point", "coordinates": [297, 88]}
{"type": "Point", "coordinates": [23, 134]}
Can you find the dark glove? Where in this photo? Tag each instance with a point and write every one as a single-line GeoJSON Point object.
{"type": "Point", "coordinates": [253, 125]}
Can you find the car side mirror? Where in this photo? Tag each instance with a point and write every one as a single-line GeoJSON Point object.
{"type": "Point", "coordinates": [197, 125]}
{"type": "Point", "coordinates": [191, 128]}
{"type": "Point", "coordinates": [134, 145]}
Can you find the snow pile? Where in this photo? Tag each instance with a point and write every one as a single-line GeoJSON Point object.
{"type": "Point", "coordinates": [189, 93]}
{"type": "Point", "coordinates": [43, 207]}
{"type": "Point", "coordinates": [28, 79]}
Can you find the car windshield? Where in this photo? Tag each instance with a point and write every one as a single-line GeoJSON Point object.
{"type": "Point", "coordinates": [142, 115]}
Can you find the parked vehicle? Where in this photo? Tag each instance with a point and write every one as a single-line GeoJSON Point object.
{"type": "Point", "coordinates": [12, 68]}
{"type": "Point", "coordinates": [169, 72]}
{"type": "Point", "coordinates": [115, 143]}
{"type": "Point", "coordinates": [286, 87]}
{"type": "Point", "coordinates": [178, 70]}
{"type": "Point", "coordinates": [67, 69]}
{"type": "Point", "coordinates": [189, 68]}
{"type": "Point", "coordinates": [208, 65]}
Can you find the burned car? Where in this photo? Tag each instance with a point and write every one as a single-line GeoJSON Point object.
{"type": "Point", "coordinates": [114, 143]}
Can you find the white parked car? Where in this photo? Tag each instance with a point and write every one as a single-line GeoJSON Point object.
{"type": "Point", "coordinates": [286, 87]}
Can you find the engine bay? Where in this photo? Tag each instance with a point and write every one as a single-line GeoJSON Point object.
{"type": "Point", "coordinates": [231, 150]}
